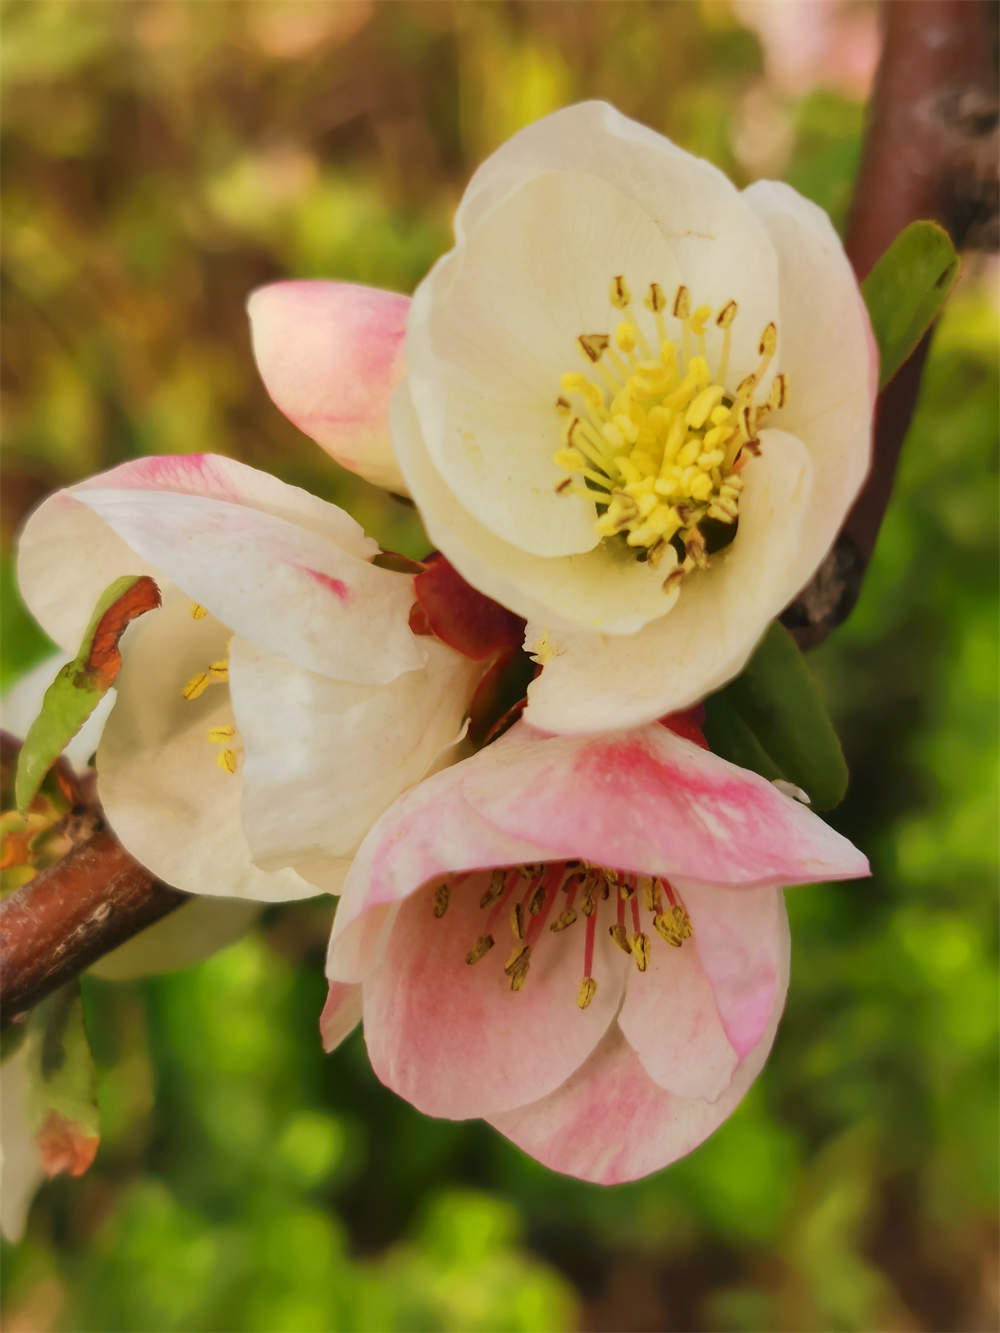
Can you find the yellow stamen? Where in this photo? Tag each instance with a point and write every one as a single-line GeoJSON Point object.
{"type": "Point", "coordinates": [198, 612]}
{"type": "Point", "coordinates": [227, 761]}
{"type": "Point", "coordinates": [586, 992]}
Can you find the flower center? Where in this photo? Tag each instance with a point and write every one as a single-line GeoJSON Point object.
{"type": "Point", "coordinates": [529, 894]}
{"type": "Point", "coordinates": [653, 436]}
{"type": "Point", "coordinates": [216, 673]}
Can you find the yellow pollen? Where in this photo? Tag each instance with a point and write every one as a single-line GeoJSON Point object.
{"type": "Point", "coordinates": [655, 436]}
{"type": "Point", "coordinates": [227, 760]}
{"type": "Point", "coordinates": [197, 685]}
{"type": "Point", "coordinates": [479, 950]}
{"type": "Point", "coordinates": [220, 734]}
{"type": "Point", "coordinates": [587, 991]}
{"type": "Point", "coordinates": [198, 612]}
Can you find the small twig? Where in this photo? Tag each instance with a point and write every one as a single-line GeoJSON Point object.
{"type": "Point", "coordinates": [67, 917]}
{"type": "Point", "coordinates": [930, 152]}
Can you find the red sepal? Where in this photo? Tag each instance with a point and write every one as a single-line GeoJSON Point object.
{"type": "Point", "coordinates": [460, 616]}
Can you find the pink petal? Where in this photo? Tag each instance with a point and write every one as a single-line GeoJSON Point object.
{"type": "Point", "coordinates": [610, 1122]}
{"type": "Point", "coordinates": [453, 1039]}
{"type": "Point", "coordinates": [648, 801]}
{"type": "Point", "coordinates": [670, 1020]}
{"type": "Point", "coordinates": [341, 1014]}
{"type": "Point", "coordinates": [742, 940]}
{"type": "Point", "coordinates": [427, 834]}
{"type": "Point", "coordinates": [286, 570]}
{"type": "Point", "coordinates": [330, 355]}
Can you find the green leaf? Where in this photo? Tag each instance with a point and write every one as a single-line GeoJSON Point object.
{"type": "Point", "coordinates": [771, 719]}
{"type": "Point", "coordinates": [80, 685]}
{"type": "Point", "coordinates": [906, 289]}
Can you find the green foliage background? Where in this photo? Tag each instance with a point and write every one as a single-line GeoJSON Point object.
{"type": "Point", "coordinates": [163, 157]}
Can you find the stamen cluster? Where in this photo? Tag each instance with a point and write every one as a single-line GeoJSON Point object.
{"type": "Point", "coordinates": [217, 673]}
{"type": "Point", "coordinates": [586, 889]}
{"type": "Point", "coordinates": [653, 437]}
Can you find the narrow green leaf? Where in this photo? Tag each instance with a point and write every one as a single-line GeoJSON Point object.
{"type": "Point", "coordinates": [79, 686]}
{"type": "Point", "coordinates": [772, 720]}
{"type": "Point", "coordinates": [906, 289]}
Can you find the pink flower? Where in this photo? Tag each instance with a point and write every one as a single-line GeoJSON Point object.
{"type": "Point", "coordinates": [582, 940]}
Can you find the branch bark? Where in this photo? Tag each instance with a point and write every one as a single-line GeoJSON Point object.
{"type": "Point", "coordinates": [930, 152]}
{"type": "Point", "coordinates": [67, 917]}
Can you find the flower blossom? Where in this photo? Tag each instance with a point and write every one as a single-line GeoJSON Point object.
{"type": "Point", "coordinates": [276, 703]}
{"type": "Point", "coordinates": [581, 939]}
{"type": "Point", "coordinates": [635, 408]}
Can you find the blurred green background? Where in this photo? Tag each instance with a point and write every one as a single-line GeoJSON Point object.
{"type": "Point", "coordinates": [162, 158]}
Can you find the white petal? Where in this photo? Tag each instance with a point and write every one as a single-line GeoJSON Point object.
{"type": "Point", "coordinates": [722, 252]}
{"type": "Point", "coordinates": [21, 1171]}
{"type": "Point", "coordinates": [158, 778]}
{"type": "Point", "coordinates": [706, 639]}
{"type": "Point", "coordinates": [829, 355]}
{"type": "Point", "coordinates": [601, 588]}
{"type": "Point", "coordinates": [325, 758]}
{"type": "Point", "coordinates": [493, 328]}
{"type": "Point", "coordinates": [273, 562]}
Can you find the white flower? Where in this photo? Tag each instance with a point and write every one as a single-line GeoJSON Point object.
{"type": "Point", "coordinates": [635, 409]}
{"type": "Point", "coordinates": [276, 703]}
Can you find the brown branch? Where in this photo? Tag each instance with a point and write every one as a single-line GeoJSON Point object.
{"type": "Point", "coordinates": [930, 152]}
{"type": "Point", "coordinates": [67, 917]}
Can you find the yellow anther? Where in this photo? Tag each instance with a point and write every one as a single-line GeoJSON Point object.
{"type": "Point", "coordinates": [768, 341]}
{"type": "Point", "coordinates": [586, 992]}
{"type": "Point", "coordinates": [697, 413]}
{"type": "Point", "coordinates": [516, 966]}
{"type": "Point", "coordinates": [779, 392]}
{"type": "Point", "coordinates": [666, 929]}
{"type": "Point", "coordinates": [620, 936]}
{"type": "Point", "coordinates": [563, 921]}
{"type": "Point", "coordinates": [219, 670]}
{"type": "Point", "coordinates": [654, 299]}
{"type": "Point", "coordinates": [220, 734]}
{"type": "Point", "coordinates": [197, 685]}
{"type": "Point", "coordinates": [517, 921]}
{"type": "Point", "coordinates": [659, 434]}
{"type": "Point", "coordinates": [620, 294]}
{"type": "Point", "coordinates": [479, 950]}
{"type": "Point", "coordinates": [498, 878]}
{"type": "Point", "coordinates": [593, 345]}
{"type": "Point", "coordinates": [198, 612]}
{"type": "Point", "coordinates": [726, 315]}
{"type": "Point", "coordinates": [226, 760]}
{"type": "Point", "coordinates": [625, 336]}
{"type": "Point", "coordinates": [442, 896]}
{"type": "Point", "coordinates": [640, 950]}
{"type": "Point", "coordinates": [537, 901]}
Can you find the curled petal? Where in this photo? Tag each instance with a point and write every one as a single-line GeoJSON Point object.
{"type": "Point", "coordinates": [330, 355]}
{"type": "Point", "coordinates": [649, 801]}
{"type": "Point", "coordinates": [286, 570]}
{"type": "Point", "coordinates": [341, 1014]}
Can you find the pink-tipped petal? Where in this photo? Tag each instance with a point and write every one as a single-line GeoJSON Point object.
{"type": "Point", "coordinates": [670, 1020]}
{"type": "Point", "coordinates": [453, 1039]}
{"type": "Point", "coordinates": [427, 834]}
{"type": "Point", "coordinates": [330, 355]}
{"type": "Point", "coordinates": [341, 1014]}
{"type": "Point", "coordinates": [611, 1123]}
{"type": "Point", "coordinates": [741, 937]}
{"type": "Point", "coordinates": [648, 801]}
{"type": "Point", "coordinates": [286, 570]}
